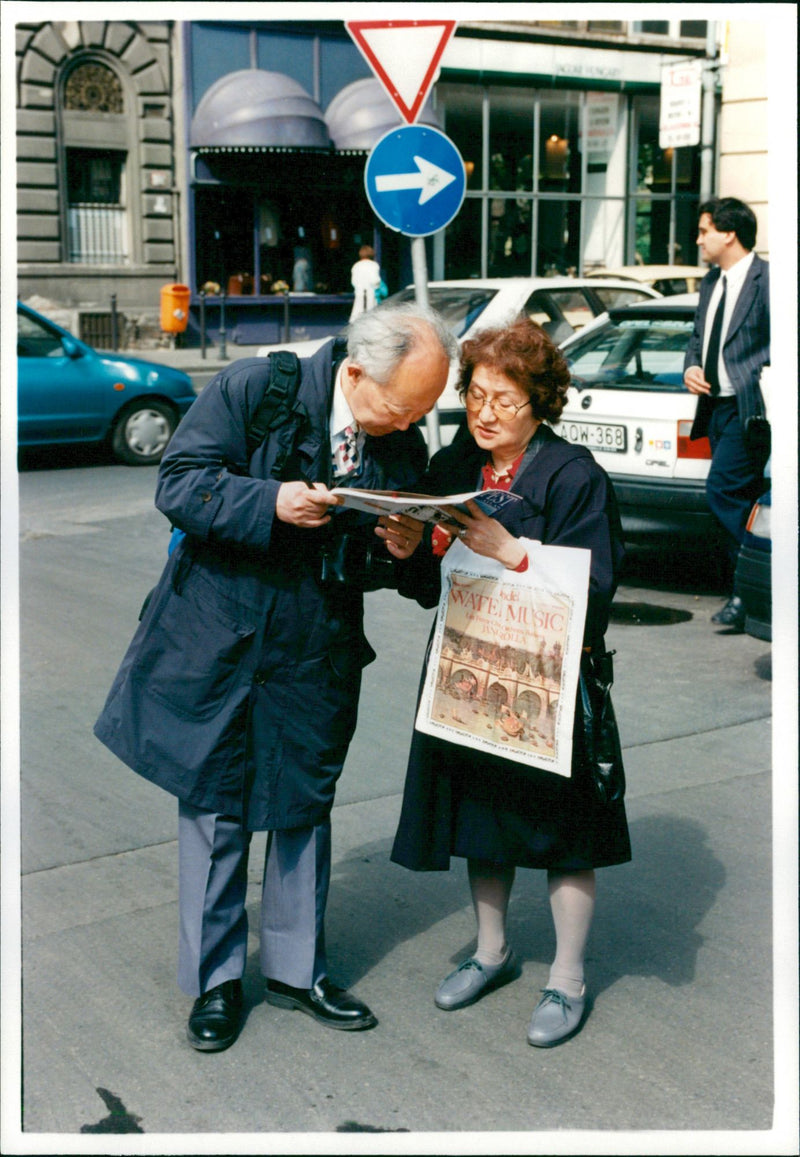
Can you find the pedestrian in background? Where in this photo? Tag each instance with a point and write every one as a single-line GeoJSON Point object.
{"type": "Point", "coordinates": [365, 277]}
{"type": "Point", "coordinates": [727, 352]}
{"type": "Point", "coordinates": [239, 691]}
{"type": "Point", "coordinates": [459, 801]}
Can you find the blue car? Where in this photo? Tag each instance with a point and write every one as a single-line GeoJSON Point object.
{"type": "Point", "coordinates": [69, 392]}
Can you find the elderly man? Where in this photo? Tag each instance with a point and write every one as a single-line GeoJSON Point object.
{"type": "Point", "coordinates": [239, 691]}
{"type": "Point", "coordinates": [726, 354]}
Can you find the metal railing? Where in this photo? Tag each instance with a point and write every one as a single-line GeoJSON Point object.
{"type": "Point", "coordinates": [98, 234]}
{"type": "Point", "coordinates": [102, 329]}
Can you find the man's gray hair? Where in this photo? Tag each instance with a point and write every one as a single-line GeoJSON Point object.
{"type": "Point", "coordinates": [379, 339]}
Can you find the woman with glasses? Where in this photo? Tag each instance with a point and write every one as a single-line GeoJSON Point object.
{"type": "Point", "coordinates": [494, 812]}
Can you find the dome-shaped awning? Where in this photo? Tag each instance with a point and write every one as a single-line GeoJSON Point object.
{"type": "Point", "coordinates": [361, 113]}
{"type": "Point", "coordinates": [258, 108]}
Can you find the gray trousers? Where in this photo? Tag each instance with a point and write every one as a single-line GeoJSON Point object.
{"type": "Point", "coordinates": [213, 852]}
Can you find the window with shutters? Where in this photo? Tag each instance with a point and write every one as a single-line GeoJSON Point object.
{"type": "Point", "coordinates": [96, 210]}
{"type": "Point", "coordinates": [95, 134]}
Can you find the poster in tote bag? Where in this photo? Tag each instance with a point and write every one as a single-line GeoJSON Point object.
{"type": "Point", "coordinates": [505, 657]}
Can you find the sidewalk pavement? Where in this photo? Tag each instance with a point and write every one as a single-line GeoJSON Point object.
{"type": "Point", "coordinates": [191, 360]}
{"type": "Point", "coordinates": [675, 1056]}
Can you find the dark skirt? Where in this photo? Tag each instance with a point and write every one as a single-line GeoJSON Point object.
{"type": "Point", "coordinates": [460, 802]}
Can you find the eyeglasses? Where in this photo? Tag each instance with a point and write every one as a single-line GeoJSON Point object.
{"type": "Point", "coordinates": [474, 400]}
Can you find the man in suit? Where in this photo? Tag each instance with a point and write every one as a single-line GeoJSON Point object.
{"type": "Point", "coordinates": [239, 691]}
{"type": "Point", "coordinates": [727, 351]}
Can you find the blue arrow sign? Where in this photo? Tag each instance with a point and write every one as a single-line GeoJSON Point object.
{"type": "Point", "coordinates": [415, 180]}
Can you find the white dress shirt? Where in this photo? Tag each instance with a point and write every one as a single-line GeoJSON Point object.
{"type": "Point", "coordinates": [734, 278]}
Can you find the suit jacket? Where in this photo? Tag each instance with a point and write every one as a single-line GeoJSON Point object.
{"type": "Point", "coordinates": [746, 347]}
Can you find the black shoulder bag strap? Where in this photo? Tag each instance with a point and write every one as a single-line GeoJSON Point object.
{"type": "Point", "coordinates": [278, 398]}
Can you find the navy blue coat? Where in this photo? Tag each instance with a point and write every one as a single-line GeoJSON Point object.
{"type": "Point", "coordinates": [567, 500]}
{"type": "Point", "coordinates": [462, 802]}
{"type": "Point", "coordinates": [239, 690]}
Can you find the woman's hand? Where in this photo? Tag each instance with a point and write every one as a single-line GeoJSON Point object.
{"type": "Point", "coordinates": [401, 533]}
{"type": "Point", "coordinates": [486, 536]}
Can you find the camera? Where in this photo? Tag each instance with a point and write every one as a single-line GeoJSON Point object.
{"type": "Point", "coordinates": [348, 560]}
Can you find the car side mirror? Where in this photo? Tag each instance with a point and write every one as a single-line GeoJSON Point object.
{"type": "Point", "coordinates": [71, 347]}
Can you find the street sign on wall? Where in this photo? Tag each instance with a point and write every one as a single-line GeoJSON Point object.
{"type": "Point", "coordinates": [415, 180]}
{"type": "Point", "coordinates": [404, 55]}
{"type": "Point", "coordinates": [681, 93]}
{"type": "Point", "coordinates": [602, 126]}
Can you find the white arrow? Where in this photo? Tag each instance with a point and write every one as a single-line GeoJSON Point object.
{"type": "Point", "coordinates": [430, 179]}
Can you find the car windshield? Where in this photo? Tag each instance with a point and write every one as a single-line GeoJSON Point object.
{"type": "Point", "coordinates": [614, 298]}
{"type": "Point", "coordinates": [459, 307]}
{"type": "Point", "coordinates": [634, 354]}
{"type": "Point", "coordinates": [672, 285]}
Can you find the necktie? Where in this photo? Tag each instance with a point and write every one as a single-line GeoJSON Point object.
{"type": "Point", "coordinates": [345, 454]}
{"type": "Point", "coordinates": [711, 367]}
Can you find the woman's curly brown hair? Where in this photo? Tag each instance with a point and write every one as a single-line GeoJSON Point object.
{"type": "Point", "coordinates": [524, 353]}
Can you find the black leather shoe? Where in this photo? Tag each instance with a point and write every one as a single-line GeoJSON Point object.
{"type": "Point", "coordinates": [731, 615]}
{"type": "Point", "coordinates": [216, 1017]}
{"type": "Point", "coordinates": [327, 1003]}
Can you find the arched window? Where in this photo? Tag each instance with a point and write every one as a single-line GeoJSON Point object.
{"type": "Point", "coordinates": [92, 87]}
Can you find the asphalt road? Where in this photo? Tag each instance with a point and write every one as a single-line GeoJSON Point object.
{"type": "Point", "coordinates": [679, 1052]}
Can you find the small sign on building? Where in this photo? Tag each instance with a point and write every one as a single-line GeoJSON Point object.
{"type": "Point", "coordinates": [681, 96]}
{"type": "Point", "coordinates": [602, 125]}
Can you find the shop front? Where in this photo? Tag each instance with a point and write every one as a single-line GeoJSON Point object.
{"type": "Point", "coordinates": [560, 144]}
{"type": "Point", "coordinates": [563, 182]}
{"type": "Point", "coordinates": [278, 229]}
{"type": "Point", "coordinates": [278, 210]}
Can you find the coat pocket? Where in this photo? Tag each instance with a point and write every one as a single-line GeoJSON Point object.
{"type": "Point", "coordinates": [348, 660]}
{"type": "Point", "coordinates": [191, 655]}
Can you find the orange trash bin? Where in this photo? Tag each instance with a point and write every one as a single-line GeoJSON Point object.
{"type": "Point", "coordinates": [175, 307]}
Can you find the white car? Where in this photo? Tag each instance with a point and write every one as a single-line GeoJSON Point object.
{"type": "Point", "coordinates": [667, 279]}
{"type": "Point", "coordinates": [629, 406]}
{"type": "Point", "coordinates": [561, 305]}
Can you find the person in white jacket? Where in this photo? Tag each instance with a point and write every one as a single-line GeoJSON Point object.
{"type": "Point", "coordinates": [365, 277]}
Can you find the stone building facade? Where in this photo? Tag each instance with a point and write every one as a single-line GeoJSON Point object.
{"type": "Point", "coordinates": [96, 184]}
{"type": "Point", "coordinates": [744, 130]}
{"type": "Point", "coordinates": [116, 197]}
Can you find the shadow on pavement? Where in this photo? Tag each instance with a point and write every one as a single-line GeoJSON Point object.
{"type": "Point", "coordinates": [646, 919]}
{"type": "Point", "coordinates": [69, 457]}
{"type": "Point", "coordinates": [666, 567]}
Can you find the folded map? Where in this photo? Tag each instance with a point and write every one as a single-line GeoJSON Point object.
{"type": "Point", "coordinates": [425, 507]}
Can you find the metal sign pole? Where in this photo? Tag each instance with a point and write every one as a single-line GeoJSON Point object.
{"type": "Point", "coordinates": [420, 267]}
{"type": "Point", "coordinates": [415, 182]}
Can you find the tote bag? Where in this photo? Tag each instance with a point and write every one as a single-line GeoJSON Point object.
{"type": "Point", "coordinates": [504, 662]}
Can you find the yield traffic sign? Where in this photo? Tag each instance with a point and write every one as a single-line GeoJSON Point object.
{"type": "Point", "coordinates": [415, 180]}
{"type": "Point", "coordinates": [404, 55]}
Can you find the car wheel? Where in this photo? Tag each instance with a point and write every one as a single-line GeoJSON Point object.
{"type": "Point", "coordinates": [142, 432]}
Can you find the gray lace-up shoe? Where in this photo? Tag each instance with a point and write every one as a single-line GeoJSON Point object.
{"type": "Point", "coordinates": [556, 1018]}
{"type": "Point", "coordinates": [471, 980]}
